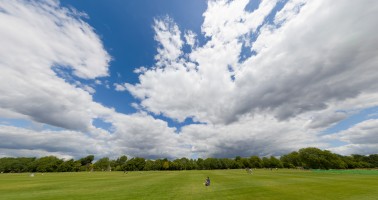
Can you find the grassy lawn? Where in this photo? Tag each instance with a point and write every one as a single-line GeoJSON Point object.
{"type": "Point", "coordinates": [225, 184]}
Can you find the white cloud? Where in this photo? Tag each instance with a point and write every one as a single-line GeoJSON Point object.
{"type": "Point", "coordinates": [309, 67]}
{"type": "Point", "coordinates": [310, 72]}
{"type": "Point", "coordinates": [133, 135]}
{"type": "Point", "coordinates": [253, 135]}
{"type": "Point", "coordinates": [362, 133]}
{"type": "Point", "coordinates": [361, 149]}
{"type": "Point", "coordinates": [98, 82]}
{"type": "Point", "coordinates": [311, 63]}
{"type": "Point", "coordinates": [142, 135]}
{"type": "Point", "coordinates": [72, 42]}
{"type": "Point", "coordinates": [168, 36]}
{"type": "Point", "coordinates": [312, 67]}
{"type": "Point", "coordinates": [360, 139]}
{"type": "Point", "coordinates": [119, 87]}
{"type": "Point", "coordinates": [140, 70]}
{"type": "Point", "coordinates": [38, 37]}
{"type": "Point", "coordinates": [190, 38]}
{"type": "Point", "coordinates": [18, 141]}
{"type": "Point", "coordinates": [226, 21]}
{"type": "Point", "coordinates": [288, 12]}
{"type": "Point", "coordinates": [41, 43]}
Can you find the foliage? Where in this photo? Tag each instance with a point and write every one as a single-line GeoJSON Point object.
{"type": "Point", "coordinates": [291, 160]}
{"type": "Point", "coordinates": [46, 164]}
{"type": "Point", "coordinates": [309, 158]}
{"type": "Point", "coordinates": [315, 158]}
{"type": "Point", "coordinates": [102, 164]}
{"type": "Point", "coordinates": [15, 164]}
{"type": "Point", "coordinates": [255, 162]}
{"type": "Point", "coordinates": [135, 164]}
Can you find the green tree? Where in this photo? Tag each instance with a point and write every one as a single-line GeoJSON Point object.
{"type": "Point", "coordinates": [184, 163]}
{"type": "Point", "coordinates": [193, 164]}
{"type": "Point", "coordinates": [274, 162]}
{"type": "Point", "coordinates": [47, 164]}
{"type": "Point", "coordinates": [211, 163]}
{"type": "Point", "coordinates": [238, 163]}
{"type": "Point", "coordinates": [373, 160]}
{"type": "Point", "coordinates": [246, 163]}
{"type": "Point", "coordinates": [158, 164]}
{"type": "Point", "coordinates": [200, 163]}
{"type": "Point", "coordinates": [150, 165]}
{"type": "Point", "coordinates": [266, 162]}
{"type": "Point", "coordinates": [315, 158]}
{"type": "Point", "coordinates": [255, 162]}
{"type": "Point", "coordinates": [102, 164]}
{"type": "Point", "coordinates": [165, 164]}
{"type": "Point", "coordinates": [135, 164]}
{"type": "Point", "coordinates": [226, 163]}
{"type": "Point", "coordinates": [67, 166]}
{"type": "Point", "coordinates": [291, 160]}
{"type": "Point", "coordinates": [21, 164]}
{"type": "Point", "coordinates": [86, 162]}
{"type": "Point", "coordinates": [120, 163]}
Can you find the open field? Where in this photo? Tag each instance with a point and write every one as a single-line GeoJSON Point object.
{"type": "Point", "coordinates": [226, 184]}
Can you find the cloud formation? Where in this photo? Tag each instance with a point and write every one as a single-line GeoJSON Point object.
{"type": "Point", "coordinates": [67, 144]}
{"type": "Point", "coordinates": [309, 66]}
{"type": "Point", "coordinates": [46, 51]}
{"type": "Point", "coordinates": [39, 40]}
{"type": "Point", "coordinates": [360, 138]}
{"type": "Point", "coordinates": [309, 61]}
{"type": "Point", "coordinates": [263, 82]}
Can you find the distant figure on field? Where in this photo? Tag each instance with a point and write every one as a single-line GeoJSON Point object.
{"type": "Point", "coordinates": [207, 181]}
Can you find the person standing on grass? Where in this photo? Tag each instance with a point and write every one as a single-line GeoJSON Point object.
{"type": "Point", "coordinates": [207, 181]}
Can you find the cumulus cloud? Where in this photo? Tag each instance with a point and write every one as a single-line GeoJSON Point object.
{"type": "Point", "coordinates": [66, 144]}
{"type": "Point", "coordinates": [362, 138]}
{"type": "Point", "coordinates": [310, 61]}
{"type": "Point", "coordinates": [312, 67]}
{"type": "Point", "coordinates": [301, 66]}
{"type": "Point", "coordinates": [225, 21]}
{"type": "Point", "coordinates": [37, 38]}
{"type": "Point", "coordinates": [133, 135]}
{"type": "Point", "coordinates": [304, 68]}
{"type": "Point", "coordinates": [190, 38]}
{"type": "Point", "coordinates": [362, 133]}
{"type": "Point", "coordinates": [140, 70]}
{"type": "Point", "coordinates": [168, 36]}
{"type": "Point", "coordinates": [362, 149]}
{"type": "Point", "coordinates": [142, 135]}
{"type": "Point", "coordinates": [258, 135]}
{"type": "Point", "coordinates": [45, 48]}
{"type": "Point", "coordinates": [119, 87]}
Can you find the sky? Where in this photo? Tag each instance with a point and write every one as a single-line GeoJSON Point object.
{"type": "Point", "coordinates": [195, 79]}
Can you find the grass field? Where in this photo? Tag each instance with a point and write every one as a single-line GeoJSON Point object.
{"type": "Point", "coordinates": [225, 184]}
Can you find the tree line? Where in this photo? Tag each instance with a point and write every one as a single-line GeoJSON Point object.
{"type": "Point", "coordinates": [306, 158]}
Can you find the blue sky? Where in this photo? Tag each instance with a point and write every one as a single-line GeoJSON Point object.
{"type": "Point", "coordinates": [187, 78]}
{"type": "Point", "coordinates": [125, 28]}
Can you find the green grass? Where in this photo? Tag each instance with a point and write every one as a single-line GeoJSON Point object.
{"type": "Point", "coordinates": [226, 184]}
